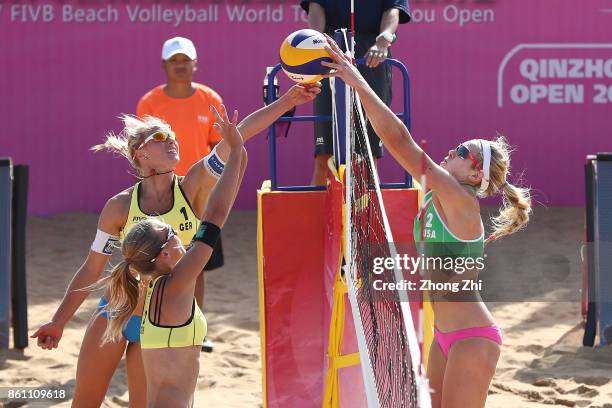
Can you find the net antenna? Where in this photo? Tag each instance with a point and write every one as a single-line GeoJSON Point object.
{"type": "Point", "coordinates": [335, 131]}
{"type": "Point", "coordinates": [352, 30]}
{"type": "Point", "coordinates": [388, 345]}
{"type": "Point", "coordinates": [421, 247]}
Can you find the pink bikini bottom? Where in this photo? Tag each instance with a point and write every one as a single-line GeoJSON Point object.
{"type": "Point", "coordinates": [446, 340]}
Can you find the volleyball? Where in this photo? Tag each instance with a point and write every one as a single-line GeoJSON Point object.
{"type": "Point", "coordinates": [301, 54]}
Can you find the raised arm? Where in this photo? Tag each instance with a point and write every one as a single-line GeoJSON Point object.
{"type": "Point", "coordinates": [219, 205]}
{"type": "Point", "coordinates": [203, 175]}
{"type": "Point", "coordinates": [109, 224]}
{"type": "Point", "coordinates": [266, 116]}
{"type": "Point", "coordinates": [393, 132]}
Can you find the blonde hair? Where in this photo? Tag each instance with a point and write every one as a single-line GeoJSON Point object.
{"type": "Point", "coordinates": [516, 208]}
{"type": "Point", "coordinates": [135, 131]}
{"type": "Point", "coordinates": [140, 246]}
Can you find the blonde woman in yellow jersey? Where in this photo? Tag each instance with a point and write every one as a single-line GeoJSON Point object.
{"type": "Point", "coordinates": [464, 355]}
{"type": "Point", "coordinates": [162, 195]}
{"type": "Point", "coordinates": [173, 325]}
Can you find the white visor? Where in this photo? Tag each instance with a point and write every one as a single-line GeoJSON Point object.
{"type": "Point", "coordinates": [486, 164]}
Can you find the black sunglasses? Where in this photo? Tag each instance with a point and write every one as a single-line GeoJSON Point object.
{"type": "Point", "coordinates": [465, 154]}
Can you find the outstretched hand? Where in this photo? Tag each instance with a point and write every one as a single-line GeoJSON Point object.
{"type": "Point", "coordinates": [226, 128]}
{"type": "Point", "coordinates": [302, 93]}
{"type": "Point", "coordinates": [342, 66]}
{"type": "Point", "coordinates": [48, 335]}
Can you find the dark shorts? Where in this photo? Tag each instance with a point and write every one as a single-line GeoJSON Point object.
{"type": "Point", "coordinates": [379, 79]}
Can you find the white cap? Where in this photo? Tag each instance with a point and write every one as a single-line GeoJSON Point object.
{"type": "Point", "coordinates": [178, 45]}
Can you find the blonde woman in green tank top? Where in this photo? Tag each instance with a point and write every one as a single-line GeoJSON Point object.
{"type": "Point", "coordinates": [466, 349]}
{"type": "Point", "coordinates": [149, 146]}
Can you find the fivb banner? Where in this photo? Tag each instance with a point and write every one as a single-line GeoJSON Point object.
{"type": "Point", "coordinates": [174, 13]}
{"type": "Point", "coordinates": [539, 72]}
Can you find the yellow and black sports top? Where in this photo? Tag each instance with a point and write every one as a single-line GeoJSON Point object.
{"type": "Point", "coordinates": [154, 335]}
{"type": "Point", "coordinates": [180, 217]}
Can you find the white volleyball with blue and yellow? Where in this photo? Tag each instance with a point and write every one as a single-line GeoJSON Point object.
{"type": "Point", "coordinates": [301, 54]}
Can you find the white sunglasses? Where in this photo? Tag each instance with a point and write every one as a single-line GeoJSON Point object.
{"type": "Point", "coordinates": [159, 136]}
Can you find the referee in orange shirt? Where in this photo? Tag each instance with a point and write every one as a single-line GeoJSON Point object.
{"type": "Point", "coordinates": [185, 105]}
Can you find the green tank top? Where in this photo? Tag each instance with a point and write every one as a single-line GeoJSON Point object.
{"type": "Point", "coordinates": [438, 239]}
{"type": "Point", "coordinates": [181, 216]}
{"type": "Point", "coordinates": [154, 335]}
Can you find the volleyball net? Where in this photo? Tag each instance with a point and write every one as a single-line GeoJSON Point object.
{"type": "Point", "coordinates": [313, 353]}
{"type": "Point", "coordinates": [387, 339]}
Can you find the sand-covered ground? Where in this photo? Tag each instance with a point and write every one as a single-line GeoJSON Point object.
{"type": "Point", "coordinates": [542, 362]}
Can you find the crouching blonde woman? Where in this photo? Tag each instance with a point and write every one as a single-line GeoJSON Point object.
{"type": "Point", "coordinates": [173, 326]}
{"type": "Point", "coordinates": [152, 150]}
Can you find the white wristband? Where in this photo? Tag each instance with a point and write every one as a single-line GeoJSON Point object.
{"type": "Point", "coordinates": [387, 36]}
{"type": "Point", "coordinates": [104, 243]}
{"type": "Point", "coordinates": [214, 163]}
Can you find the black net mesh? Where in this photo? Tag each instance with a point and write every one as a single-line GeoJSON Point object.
{"type": "Point", "coordinates": [380, 311]}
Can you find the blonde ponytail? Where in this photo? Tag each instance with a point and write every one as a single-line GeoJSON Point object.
{"type": "Point", "coordinates": [141, 244]}
{"type": "Point", "coordinates": [115, 144]}
{"type": "Point", "coordinates": [134, 132]}
{"type": "Point", "coordinates": [516, 208]}
{"type": "Point", "coordinates": [124, 291]}
{"type": "Point", "coordinates": [515, 212]}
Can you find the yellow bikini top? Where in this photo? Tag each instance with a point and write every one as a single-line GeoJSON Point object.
{"type": "Point", "coordinates": [154, 335]}
{"type": "Point", "coordinates": [180, 217]}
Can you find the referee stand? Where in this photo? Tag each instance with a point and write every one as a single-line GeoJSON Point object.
{"type": "Point", "coordinates": [13, 289]}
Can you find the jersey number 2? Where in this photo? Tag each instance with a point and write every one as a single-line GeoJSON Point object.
{"type": "Point", "coordinates": [429, 218]}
